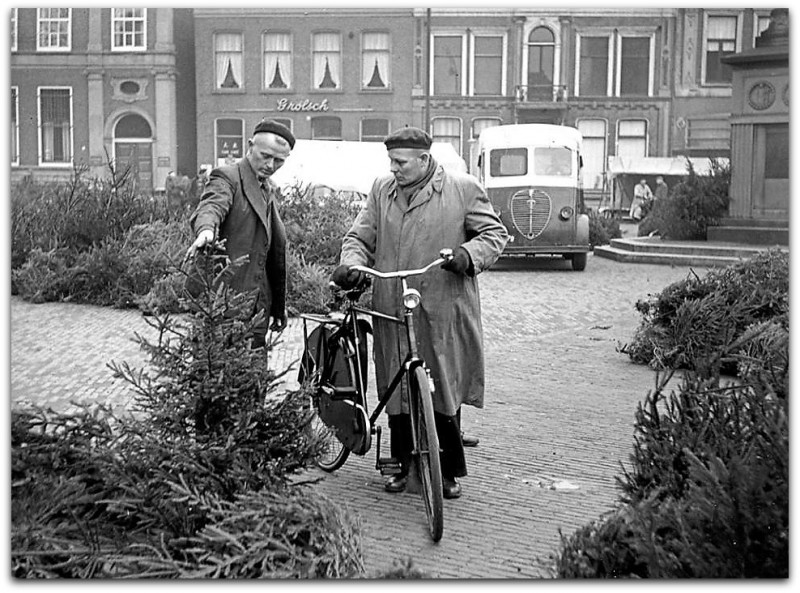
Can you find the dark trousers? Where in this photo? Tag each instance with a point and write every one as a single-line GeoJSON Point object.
{"type": "Point", "coordinates": [448, 430]}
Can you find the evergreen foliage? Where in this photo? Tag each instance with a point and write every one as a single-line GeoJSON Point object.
{"type": "Point", "coordinates": [200, 479]}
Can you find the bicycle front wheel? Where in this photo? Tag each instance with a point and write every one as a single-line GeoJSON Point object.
{"type": "Point", "coordinates": [426, 446]}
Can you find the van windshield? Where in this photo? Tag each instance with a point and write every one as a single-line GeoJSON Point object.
{"type": "Point", "coordinates": [555, 160]}
{"type": "Point", "coordinates": [507, 162]}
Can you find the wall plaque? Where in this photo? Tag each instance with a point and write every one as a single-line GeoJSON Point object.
{"type": "Point", "coordinates": [761, 95]}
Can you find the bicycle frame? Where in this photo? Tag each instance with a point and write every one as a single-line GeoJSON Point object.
{"type": "Point", "coordinates": [425, 451]}
{"type": "Point", "coordinates": [412, 359]}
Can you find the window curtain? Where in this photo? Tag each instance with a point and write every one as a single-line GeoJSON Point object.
{"type": "Point", "coordinates": [277, 61]}
{"type": "Point", "coordinates": [594, 151]}
{"type": "Point", "coordinates": [375, 60]}
{"type": "Point", "coordinates": [326, 60]}
{"type": "Point", "coordinates": [722, 28]}
{"type": "Point", "coordinates": [632, 139]}
{"type": "Point", "coordinates": [56, 134]}
{"type": "Point", "coordinates": [229, 61]}
{"type": "Point", "coordinates": [448, 129]}
{"type": "Point", "coordinates": [479, 125]}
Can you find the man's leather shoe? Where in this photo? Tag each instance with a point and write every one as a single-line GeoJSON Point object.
{"type": "Point", "coordinates": [451, 488]}
{"type": "Point", "coordinates": [395, 484]}
{"type": "Point", "coordinates": [469, 441]}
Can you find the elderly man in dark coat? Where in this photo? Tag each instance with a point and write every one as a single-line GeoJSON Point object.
{"type": "Point", "coordinates": [409, 216]}
{"type": "Point", "coordinates": [238, 204]}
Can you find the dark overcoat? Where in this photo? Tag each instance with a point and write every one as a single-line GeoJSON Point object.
{"type": "Point", "coordinates": [451, 210]}
{"type": "Point", "coordinates": [243, 213]}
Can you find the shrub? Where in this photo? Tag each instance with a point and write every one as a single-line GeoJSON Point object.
{"type": "Point", "coordinates": [194, 482]}
{"type": "Point", "coordinates": [692, 205]}
{"type": "Point", "coordinates": [43, 277]}
{"type": "Point", "coordinates": [307, 285]}
{"type": "Point", "coordinates": [707, 495]}
{"type": "Point", "coordinates": [77, 214]}
{"type": "Point", "coordinates": [602, 230]}
{"type": "Point", "coordinates": [316, 226]}
{"type": "Point", "coordinates": [688, 321]}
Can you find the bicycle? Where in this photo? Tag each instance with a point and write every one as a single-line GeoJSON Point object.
{"type": "Point", "coordinates": [335, 364]}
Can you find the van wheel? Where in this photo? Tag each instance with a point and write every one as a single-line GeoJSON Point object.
{"type": "Point", "coordinates": [579, 262]}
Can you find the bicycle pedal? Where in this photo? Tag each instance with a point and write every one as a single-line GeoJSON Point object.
{"type": "Point", "coordinates": [389, 466]}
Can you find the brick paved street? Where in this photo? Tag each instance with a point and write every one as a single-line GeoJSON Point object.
{"type": "Point", "coordinates": [557, 423]}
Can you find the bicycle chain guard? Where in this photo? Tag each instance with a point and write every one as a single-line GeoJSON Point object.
{"type": "Point", "coordinates": [346, 418]}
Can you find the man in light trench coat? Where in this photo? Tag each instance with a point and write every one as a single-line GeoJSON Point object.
{"type": "Point", "coordinates": [409, 216]}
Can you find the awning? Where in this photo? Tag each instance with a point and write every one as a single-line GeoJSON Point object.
{"type": "Point", "coordinates": [672, 166]}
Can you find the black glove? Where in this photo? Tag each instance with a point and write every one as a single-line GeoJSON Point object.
{"type": "Point", "coordinates": [461, 263]}
{"type": "Point", "coordinates": [346, 277]}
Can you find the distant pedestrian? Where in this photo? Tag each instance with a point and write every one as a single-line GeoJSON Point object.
{"type": "Point", "coordinates": [662, 189]}
{"type": "Point", "coordinates": [641, 194]}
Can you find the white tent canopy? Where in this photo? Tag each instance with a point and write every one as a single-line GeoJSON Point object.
{"type": "Point", "coordinates": [344, 165]}
{"type": "Point", "coordinates": [658, 165]}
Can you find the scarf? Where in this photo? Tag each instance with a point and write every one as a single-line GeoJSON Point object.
{"type": "Point", "coordinates": [410, 191]}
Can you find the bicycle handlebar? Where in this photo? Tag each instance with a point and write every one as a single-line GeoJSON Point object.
{"type": "Point", "coordinates": [444, 255]}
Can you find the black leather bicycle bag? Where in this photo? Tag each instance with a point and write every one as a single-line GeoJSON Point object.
{"type": "Point", "coordinates": [320, 347]}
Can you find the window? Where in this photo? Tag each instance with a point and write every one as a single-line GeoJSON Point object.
{"type": "Point", "coordinates": [327, 61]}
{"type": "Point", "coordinates": [230, 140]}
{"type": "Point", "coordinates": [375, 60]}
{"type": "Point", "coordinates": [708, 133]}
{"type": "Point", "coordinates": [593, 66]}
{"type": "Point", "coordinates": [277, 60]}
{"type": "Point", "coordinates": [619, 64]}
{"type": "Point", "coordinates": [488, 72]}
{"type": "Point", "coordinates": [634, 66]}
{"type": "Point", "coordinates": [228, 53]}
{"type": "Point", "coordinates": [374, 130]}
{"type": "Point", "coordinates": [541, 64]}
{"type": "Point", "coordinates": [326, 127]}
{"type": "Point", "coordinates": [54, 29]}
{"type": "Point", "coordinates": [55, 125]}
{"type": "Point", "coordinates": [552, 160]}
{"type": "Point", "coordinates": [594, 132]}
{"type": "Point", "coordinates": [720, 41]}
{"type": "Point", "coordinates": [508, 162]}
{"type": "Point", "coordinates": [632, 138]}
{"type": "Point", "coordinates": [13, 29]}
{"type": "Point", "coordinates": [128, 29]}
{"type": "Point", "coordinates": [447, 129]}
{"type": "Point", "coordinates": [479, 124]}
{"type": "Point", "coordinates": [14, 126]}
{"type": "Point", "coordinates": [448, 65]}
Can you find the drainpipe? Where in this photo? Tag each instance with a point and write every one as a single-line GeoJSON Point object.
{"type": "Point", "coordinates": [427, 70]}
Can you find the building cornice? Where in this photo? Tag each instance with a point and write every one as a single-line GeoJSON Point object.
{"type": "Point", "coordinates": [269, 12]}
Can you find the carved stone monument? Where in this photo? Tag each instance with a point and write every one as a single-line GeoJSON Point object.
{"type": "Point", "coordinates": [759, 209]}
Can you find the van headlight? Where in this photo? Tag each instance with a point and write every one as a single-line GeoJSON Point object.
{"type": "Point", "coordinates": [566, 213]}
{"type": "Point", "coordinates": [411, 298]}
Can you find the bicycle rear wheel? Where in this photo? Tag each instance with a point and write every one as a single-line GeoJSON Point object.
{"type": "Point", "coordinates": [426, 447]}
{"type": "Point", "coordinates": [332, 453]}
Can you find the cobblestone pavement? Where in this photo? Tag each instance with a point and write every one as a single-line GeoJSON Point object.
{"type": "Point", "coordinates": [557, 425]}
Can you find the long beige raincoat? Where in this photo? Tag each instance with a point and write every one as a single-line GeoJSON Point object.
{"type": "Point", "coordinates": [451, 210]}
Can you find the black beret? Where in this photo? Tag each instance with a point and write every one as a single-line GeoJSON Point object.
{"type": "Point", "coordinates": [408, 138]}
{"type": "Point", "coordinates": [270, 125]}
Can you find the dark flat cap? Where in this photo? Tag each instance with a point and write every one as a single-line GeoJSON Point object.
{"type": "Point", "coordinates": [408, 138]}
{"type": "Point", "coordinates": [270, 125]}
